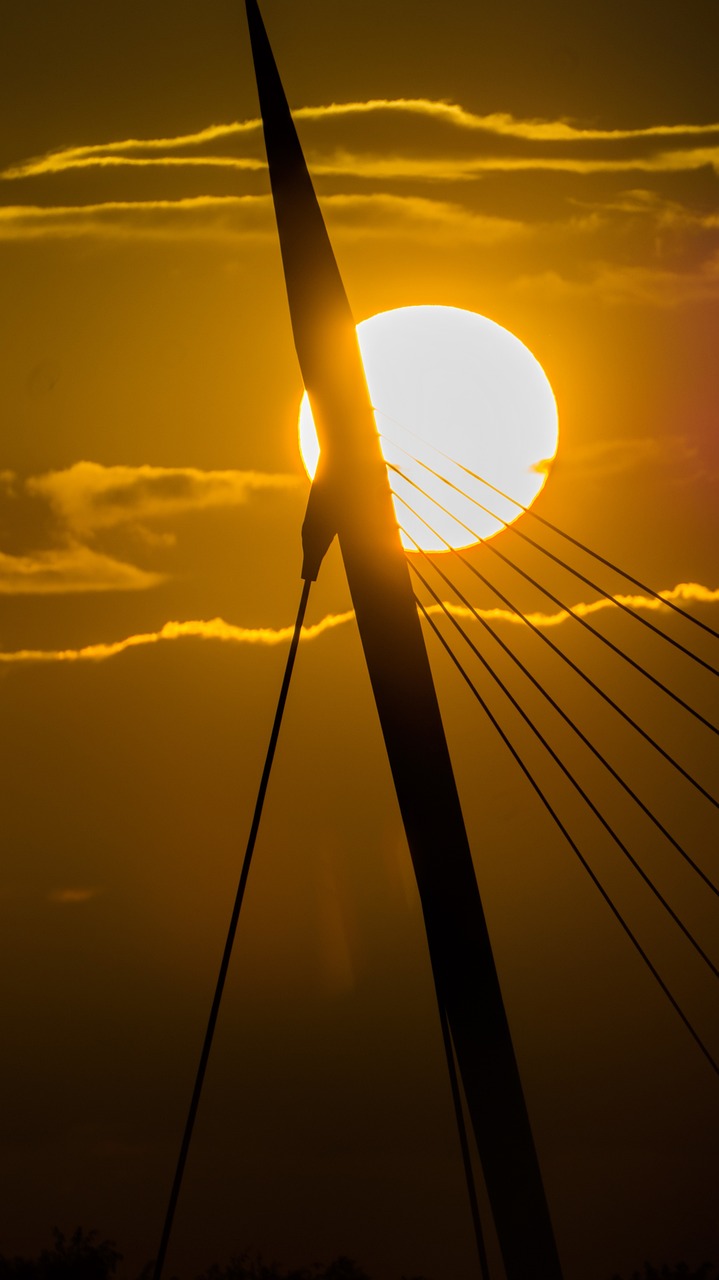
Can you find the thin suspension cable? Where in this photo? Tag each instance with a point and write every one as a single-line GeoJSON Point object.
{"type": "Point", "coordinates": [232, 930]}
{"type": "Point", "coordinates": [571, 778]}
{"type": "Point", "coordinates": [594, 586]}
{"type": "Point", "coordinates": [609, 564]}
{"type": "Point", "coordinates": [463, 1138]}
{"type": "Point", "coordinates": [574, 667]}
{"type": "Point", "coordinates": [637, 666]}
{"type": "Point", "coordinates": [566, 717]}
{"type": "Point", "coordinates": [461, 1122]}
{"type": "Point", "coordinates": [553, 703]}
{"type": "Point", "coordinates": [575, 849]}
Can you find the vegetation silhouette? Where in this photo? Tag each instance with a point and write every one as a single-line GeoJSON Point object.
{"type": "Point", "coordinates": [81, 1257]}
{"type": "Point", "coordinates": [84, 1256]}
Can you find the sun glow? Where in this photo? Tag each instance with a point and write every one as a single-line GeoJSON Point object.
{"type": "Point", "coordinates": [452, 390]}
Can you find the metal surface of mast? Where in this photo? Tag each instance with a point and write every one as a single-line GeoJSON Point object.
{"type": "Point", "coordinates": [351, 498]}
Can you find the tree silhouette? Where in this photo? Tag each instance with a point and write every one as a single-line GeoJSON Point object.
{"type": "Point", "coordinates": [81, 1257]}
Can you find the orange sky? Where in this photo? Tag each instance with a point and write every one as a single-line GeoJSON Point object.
{"type": "Point", "coordinates": [556, 170]}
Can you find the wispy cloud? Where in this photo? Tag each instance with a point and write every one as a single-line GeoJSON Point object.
{"type": "Point", "coordinates": [383, 214]}
{"type": "Point", "coordinates": [88, 496]}
{"type": "Point", "coordinates": [225, 218]}
{"type": "Point", "coordinates": [683, 593]}
{"type": "Point", "coordinates": [88, 499]}
{"type": "Point", "coordinates": [214, 629]}
{"type": "Point", "coordinates": [665, 214]}
{"type": "Point", "coordinates": [651, 284]}
{"type": "Point", "coordinates": [194, 217]}
{"type": "Point", "coordinates": [129, 151]}
{"type": "Point", "coordinates": [387, 166]}
{"type": "Point", "coordinates": [70, 569]}
{"type": "Point", "coordinates": [497, 142]}
{"type": "Point", "coordinates": [227, 632]}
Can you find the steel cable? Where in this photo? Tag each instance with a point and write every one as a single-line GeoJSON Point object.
{"type": "Point", "coordinates": [572, 780]}
{"type": "Point", "coordinates": [637, 666]}
{"type": "Point", "coordinates": [232, 930]}
{"type": "Point", "coordinates": [588, 582]}
{"type": "Point", "coordinates": [572, 844]}
{"type": "Point", "coordinates": [560, 711]}
{"type": "Point", "coordinates": [582, 546]}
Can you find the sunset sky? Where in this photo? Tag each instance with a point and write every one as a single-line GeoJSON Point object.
{"type": "Point", "coordinates": [554, 168]}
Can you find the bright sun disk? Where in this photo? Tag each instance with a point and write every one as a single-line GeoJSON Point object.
{"type": "Point", "coordinates": [452, 390]}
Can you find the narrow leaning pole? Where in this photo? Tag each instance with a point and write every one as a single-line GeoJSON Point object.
{"type": "Point", "coordinates": [351, 498]}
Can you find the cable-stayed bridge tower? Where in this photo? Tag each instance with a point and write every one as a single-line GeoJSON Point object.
{"type": "Point", "coordinates": [351, 499]}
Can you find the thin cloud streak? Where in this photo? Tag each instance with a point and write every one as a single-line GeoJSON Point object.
{"type": "Point", "coordinates": [217, 218]}
{"type": "Point", "coordinates": [164, 219]}
{"type": "Point", "coordinates": [159, 151]}
{"type": "Point", "coordinates": [103, 153]}
{"type": "Point", "coordinates": [384, 214]}
{"type": "Point", "coordinates": [270, 637]}
{"type": "Point", "coordinates": [447, 169]}
{"type": "Point", "coordinates": [396, 165]}
{"type": "Point", "coordinates": [214, 629]}
{"type": "Point", "coordinates": [684, 593]}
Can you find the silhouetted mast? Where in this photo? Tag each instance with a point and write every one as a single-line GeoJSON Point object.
{"type": "Point", "coordinates": [351, 498]}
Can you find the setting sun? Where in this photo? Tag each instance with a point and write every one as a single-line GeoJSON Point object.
{"type": "Point", "coordinates": [452, 390]}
